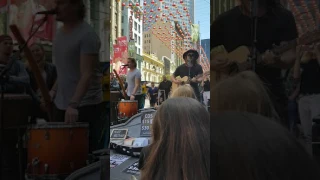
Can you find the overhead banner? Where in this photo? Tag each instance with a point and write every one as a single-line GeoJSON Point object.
{"type": "Point", "coordinates": [123, 43]}
{"type": "Point", "coordinates": [195, 33]}
{"type": "Point", "coordinates": [3, 5]}
{"type": "Point", "coordinates": [23, 14]}
{"type": "Point", "coordinates": [132, 49]}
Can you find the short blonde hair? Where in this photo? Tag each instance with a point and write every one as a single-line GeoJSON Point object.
{"type": "Point", "coordinates": [244, 92]}
{"type": "Point", "coordinates": [184, 91]}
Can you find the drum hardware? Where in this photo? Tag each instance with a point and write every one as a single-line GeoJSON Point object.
{"type": "Point", "coordinates": [37, 146]}
{"type": "Point", "coordinates": [71, 134]}
{"type": "Point", "coordinates": [72, 165]}
{"type": "Point", "coordinates": [46, 167]}
{"type": "Point", "coordinates": [47, 135]}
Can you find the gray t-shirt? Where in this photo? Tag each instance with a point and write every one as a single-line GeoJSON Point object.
{"type": "Point", "coordinates": [131, 76]}
{"type": "Point", "coordinates": [67, 50]}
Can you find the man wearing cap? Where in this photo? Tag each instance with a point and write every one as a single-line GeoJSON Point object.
{"type": "Point", "coordinates": [17, 76]}
{"type": "Point", "coordinates": [191, 69]}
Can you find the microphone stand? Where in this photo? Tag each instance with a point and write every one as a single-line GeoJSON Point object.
{"type": "Point", "coordinates": [3, 81]}
{"type": "Point", "coordinates": [254, 15]}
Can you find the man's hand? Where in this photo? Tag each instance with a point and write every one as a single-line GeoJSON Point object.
{"type": "Point", "coordinates": [194, 80]}
{"type": "Point", "coordinates": [268, 57]}
{"type": "Point", "coordinates": [71, 115]}
{"type": "Point", "coordinates": [132, 97]}
{"type": "Point", "coordinates": [178, 82]}
{"type": "Point", "coordinates": [43, 104]}
{"type": "Point", "coordinates": [244, 66]}
{"type": "Point", "coordinates": [221, 64]}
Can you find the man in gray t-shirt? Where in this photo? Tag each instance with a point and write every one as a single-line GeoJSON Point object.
{"type": "Point", "coordinates": [133, 80]}
{"type": "Point", "coordinates": [78, 90]}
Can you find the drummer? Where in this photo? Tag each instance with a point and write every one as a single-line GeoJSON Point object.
{"type": "Point", "coordinates": [17, 77]}
{"type": "Point", "coordinates": [134, 83]}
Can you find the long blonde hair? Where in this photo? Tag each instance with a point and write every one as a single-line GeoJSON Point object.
{"type": "Point", "coordinates": [244, 92]}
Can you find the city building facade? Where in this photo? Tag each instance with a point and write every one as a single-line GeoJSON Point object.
{"type": "Point", "coordinates": [152, 68]}
{"type": "Point", "coordinates": [165, 41]}
{"type": "Point", "coordinates": [205, 43]}
{"type": "Point", "coordinates": [132, 26]}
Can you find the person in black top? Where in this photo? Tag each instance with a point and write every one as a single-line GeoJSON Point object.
{"type": "Point", "coordinates": [307, 70]}
{"type": "Point", "coordinates": [165, 85]}
{"type": "Point", "coordinates": [276, 26]}
{"type": "Point", "coordinates": [49, 74]}
{"type": "Point", "coordinates": [191, 69]}
{"type": "Point", "coordinates": [206, 90]}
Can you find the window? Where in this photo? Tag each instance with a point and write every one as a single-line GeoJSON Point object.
{"type": "Point", "coordinates": [138, 51]}
{"type": "Point", "coordinates": [122, 32]}
{"type": "Point", "coordinates": [139, 28]}
{"type": "Point", "coordinates": [122, 19]}
{"type": "Point", "coordinates": [135, 25]}
{"type": "Point", "coordinates": [139, 40]}
{"type": "Point", "coordinates": [135, 38]}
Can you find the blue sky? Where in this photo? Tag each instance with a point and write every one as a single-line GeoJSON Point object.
{"type": "Point", "coordinates": [202, 14]}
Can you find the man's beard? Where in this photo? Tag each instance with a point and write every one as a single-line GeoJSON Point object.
{"type": "Point", "coordinates": [190, 62]}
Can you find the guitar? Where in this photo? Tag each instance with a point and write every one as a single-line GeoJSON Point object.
{"type": "Point", "coordinates": [186, 80]}
{"type": "Point", "coordinates": [241, 54]}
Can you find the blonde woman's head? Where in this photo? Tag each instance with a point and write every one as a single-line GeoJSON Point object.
{"type": "Point", "coordinates": [244, 92]}
{"type": "Point", "coordinates": [184, 91]}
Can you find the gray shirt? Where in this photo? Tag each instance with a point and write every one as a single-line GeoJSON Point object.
{"type": "Point", "coordinates": [131, 76]}
{"type": "Point", "coordinates": [67, 50]}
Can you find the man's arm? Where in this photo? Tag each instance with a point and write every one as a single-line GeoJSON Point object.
{"type": "Point", "coordinates": [137, 82]}
{"type": "Point", "coordinates": [288, 58]}
{"type": "Point", "coordinates": [218, 60]}
{"type": "Point", "coordinates": [22, 77]}
{"type": "Point", "coordinates": [296, 68]}
{"type": "Point", "coordinates": [89, 47]}
{"type": "Point", "coordinates": [87, 65]}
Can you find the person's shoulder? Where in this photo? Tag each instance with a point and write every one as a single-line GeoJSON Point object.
{"type": "Point", "coordinates": [283, 12]}
{"type": "Point", "coordinates": [88, 29]}
{"type": "Point", "coordinates": [180, 66]}
{"type": "Point", "coordinates": [198, 66]}
{"type": "Point", "coordinates": [228, 15]}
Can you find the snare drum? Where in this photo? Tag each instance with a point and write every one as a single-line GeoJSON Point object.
{"type": "Point", "coordinates": [56, 149]}
{"type": "Point", "coordinates": [127, 109]}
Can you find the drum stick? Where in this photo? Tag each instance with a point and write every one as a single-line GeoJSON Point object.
{"type": "Point", "coordinates": [35, 69]}
{"type": "Point", "coordinates": [121, 84]}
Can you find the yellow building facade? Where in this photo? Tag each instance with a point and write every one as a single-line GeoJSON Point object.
{"type": "Point", "coordinates": [152, 69]}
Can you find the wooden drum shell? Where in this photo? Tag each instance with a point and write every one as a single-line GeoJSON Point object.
{"type": "Point", "coordinates": [64, 149]}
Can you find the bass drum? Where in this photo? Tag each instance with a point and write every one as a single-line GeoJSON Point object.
{"type": "Point", "coordinates": [97, 170]}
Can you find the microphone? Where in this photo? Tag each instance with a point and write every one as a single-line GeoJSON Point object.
{"type": "Point", "coordinates": [50, 12]}
{"type": "Point", "coordinates": [125, 65]}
